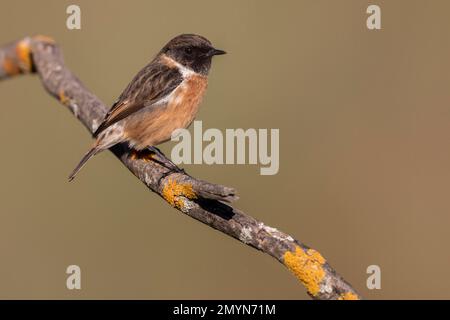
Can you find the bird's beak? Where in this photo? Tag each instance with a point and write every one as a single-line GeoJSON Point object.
{"type": "Point", "coordinates": [215, 52]}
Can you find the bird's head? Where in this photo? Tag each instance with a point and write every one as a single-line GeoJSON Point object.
{"type": "Point", "coordinates": [192, 51]}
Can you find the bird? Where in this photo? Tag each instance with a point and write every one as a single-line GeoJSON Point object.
{"type": "Point", "coordinates": [163, 96]}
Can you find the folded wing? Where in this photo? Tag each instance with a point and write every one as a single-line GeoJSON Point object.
{"type": "Point", "coordinates": [149, 87]}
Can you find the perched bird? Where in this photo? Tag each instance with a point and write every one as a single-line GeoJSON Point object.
{"type": "Point", "coordinates": [162, 97]}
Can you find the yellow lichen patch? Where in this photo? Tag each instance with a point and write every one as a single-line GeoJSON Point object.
{"type": "Point", "coordinates": [63, 98]}
{"type": "Point", "coordinates": [23, 52]}
{"type": "Point", "coordinates": [307, 266]}
{"type": "Point", "coordinates": [348, 296]}
{"type": "Point", "coordinates": [10, 67]}
{"type": "Point", "coordinates": [174, 192]}
{"type": "Point", "coordinates": [43, 38]}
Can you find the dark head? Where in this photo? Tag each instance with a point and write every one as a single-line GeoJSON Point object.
{"type": "Point", "coordinates": [192, 51]}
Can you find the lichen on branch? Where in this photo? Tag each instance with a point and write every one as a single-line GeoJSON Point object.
{"type": "Point", "coordinates": [201, 200]}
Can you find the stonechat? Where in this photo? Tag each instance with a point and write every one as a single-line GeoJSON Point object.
{"type": "Point", "coordinates": [163, 96]}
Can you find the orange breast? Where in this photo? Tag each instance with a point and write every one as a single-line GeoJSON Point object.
{"type": "Point", "coordinates": [150, 128]}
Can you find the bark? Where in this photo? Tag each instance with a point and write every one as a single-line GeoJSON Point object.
{"type": "Point", "coordinates": [204, 201]}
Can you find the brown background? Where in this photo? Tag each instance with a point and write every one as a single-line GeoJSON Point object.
{"type": "Point", "coordinates": [364, 164]}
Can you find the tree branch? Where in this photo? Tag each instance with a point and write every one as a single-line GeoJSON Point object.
{"type": "Point", "coordinates": [198, 199]}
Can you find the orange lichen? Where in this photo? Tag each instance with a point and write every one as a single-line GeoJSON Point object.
{"type": "Point", "coordinates": [20, 59]}
{"type": "Point", "coordinates": [348, 296]}
{"type": "Point", "coordinates": [63, 98]}
{"type": "Point", "coordinates": [23, 52]}
{"type": "Point", "coordinates": [174, 192]}
{"type": "Point", "coordinates": [10, 67]}
{"type": "Point", "coordinates": [307, 266]}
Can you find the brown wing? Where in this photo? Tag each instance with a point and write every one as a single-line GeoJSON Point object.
{"type": "Point", "coordinates": [151, 84]}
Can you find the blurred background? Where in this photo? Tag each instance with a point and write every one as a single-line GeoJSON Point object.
{"type": "Point", "coordinates": [364, 158]}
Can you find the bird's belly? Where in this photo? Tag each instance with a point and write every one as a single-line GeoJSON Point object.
{"type": "Point", "coordinates": [156, 124]}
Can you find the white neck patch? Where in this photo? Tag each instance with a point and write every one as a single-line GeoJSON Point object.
{"type": "Point", "coordinates": [185, 71]}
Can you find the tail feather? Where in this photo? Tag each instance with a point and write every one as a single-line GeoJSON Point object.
{"type": "Point", "coordinates": [83, 161]}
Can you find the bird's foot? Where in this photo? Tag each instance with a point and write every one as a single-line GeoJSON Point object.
{"type": "Point", "coordinates": [145, 155]}
{"type": "Point", "coordinates": [155, 155]}
{"type": "Point", "coordinates": [165, 161]}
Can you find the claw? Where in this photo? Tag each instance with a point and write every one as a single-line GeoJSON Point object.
{"type": "Point", "coordinates": [154, 154]}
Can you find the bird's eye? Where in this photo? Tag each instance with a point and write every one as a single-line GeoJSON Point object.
{"type": "Point", "coordinates": [188, 50]}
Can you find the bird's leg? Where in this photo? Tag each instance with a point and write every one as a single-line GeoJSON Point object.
{"type": "Point", "coordinates": [165, 161]}
{"type": "Point", "coordinates": [149, 155]}
{"type": "Point", "coordinates": [145, 155]}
